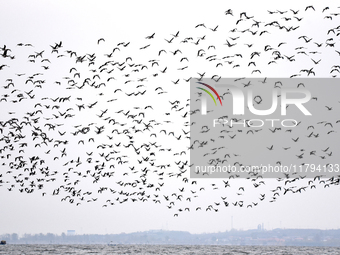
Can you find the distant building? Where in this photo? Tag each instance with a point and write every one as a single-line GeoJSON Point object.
{"type": "Point", "coordinates": [71, 232]}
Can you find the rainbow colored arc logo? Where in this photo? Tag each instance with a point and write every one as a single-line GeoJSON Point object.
{"type": "Point", "coordinates": [209, 92]}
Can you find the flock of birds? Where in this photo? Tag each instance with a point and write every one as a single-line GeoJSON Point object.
{"type": "Point", "coordinates": [80, 125]}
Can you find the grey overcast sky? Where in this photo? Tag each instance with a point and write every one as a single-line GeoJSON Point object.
{"type": "Point", "coordinates": [79, 25]}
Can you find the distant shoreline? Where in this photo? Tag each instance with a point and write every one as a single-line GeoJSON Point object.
{"type": "Point", "coordinates": [255, 237]}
